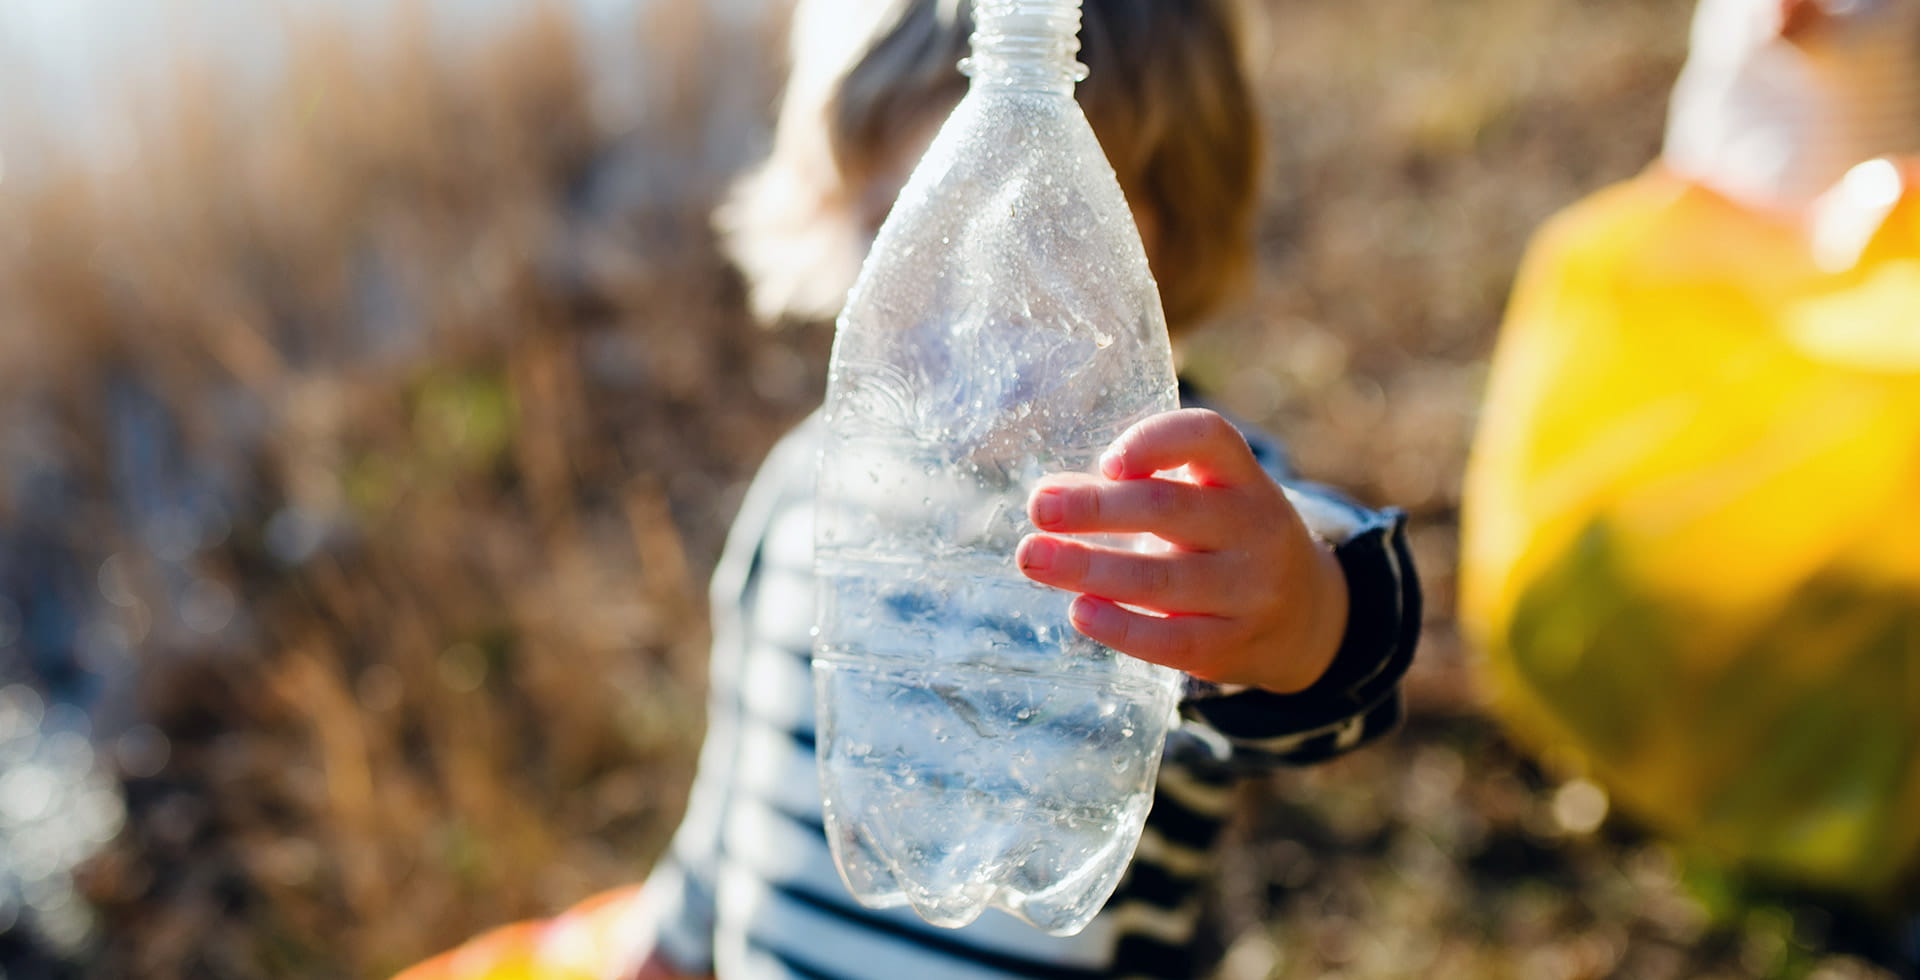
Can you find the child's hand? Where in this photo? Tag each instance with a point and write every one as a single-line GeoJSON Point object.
{"type": "Point", "coordinates": [1244, 595]}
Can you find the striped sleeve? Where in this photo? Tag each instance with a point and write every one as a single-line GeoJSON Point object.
{"type": "Point", "coordinates": [680, 893]}
{"type": "Point", "coordinates": [749, 888]}
{"type": "Point", "coordinates": [1157, 909]}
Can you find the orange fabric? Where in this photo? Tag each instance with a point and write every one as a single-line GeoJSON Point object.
{"type": "Point", "coordinates": [583, 943]}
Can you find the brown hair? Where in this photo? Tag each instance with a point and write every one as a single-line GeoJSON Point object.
{"type": "Point", "coordinates": [1168, 97]}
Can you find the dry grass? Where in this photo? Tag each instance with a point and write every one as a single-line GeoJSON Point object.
{"type": "Point", "coordinates": [470, 399]}
{"type": "Point", "coordinates": [453, 398]}
{"type": "Point", "coordinates": [1409, 168]}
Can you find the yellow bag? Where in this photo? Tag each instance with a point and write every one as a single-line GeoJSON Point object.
{"type": "Point", "coordinates": [1691, 539]}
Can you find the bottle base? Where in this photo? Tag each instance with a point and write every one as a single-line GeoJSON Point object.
{"type": "Point", "coordinates": [956, 790]}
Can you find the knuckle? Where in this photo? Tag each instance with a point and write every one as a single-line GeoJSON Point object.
{"type": "Point", "coordinates": [1181, 645]}
{"type": "Point", "coordinates": [1086, 505]}
{"type": "Point", "coordinates": [1182, 427]}
{"type": "Point", "coordinates": [1156, 577]}
{"type": "Point", "coordinates": [1232, 587]}
{"type": "Point", "coordinates": [1162, 497]}
{"type": "Point", "coordinates": [1235, 582]}
{"type": "Point", "coordinates": [1074, 561]}
{"type": "Point", "coordinates": [1240, 634]}
{"type": "Point", "coordinates": [1230, 439]}
{"type": "Point", "coordinates": [1171, 426]}
{"type": "Point", "coordinates": [1206, 425]}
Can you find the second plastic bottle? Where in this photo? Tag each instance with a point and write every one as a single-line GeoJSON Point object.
{"type": "Point", "coordinates": [975, 750]}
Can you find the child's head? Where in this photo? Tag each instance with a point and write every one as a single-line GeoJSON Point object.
{"type": "Point", "coordinates": [872, 80]}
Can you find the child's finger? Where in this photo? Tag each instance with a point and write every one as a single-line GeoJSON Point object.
{"type": "Point", "coordinates": [1171, 581]}
{"type": "Point", "coordinates": [1180, 642]}
{"type": "Point", "coordinates": [1213, 450]}
{"type": "Point", "coordinates": [1187, 515]}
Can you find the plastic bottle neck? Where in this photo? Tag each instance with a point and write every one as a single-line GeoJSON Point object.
{"type": "Point", "coordinates": [1028, 45]}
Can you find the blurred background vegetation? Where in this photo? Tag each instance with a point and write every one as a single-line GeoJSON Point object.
{"type": "Point", "coordinates": [372, 407]}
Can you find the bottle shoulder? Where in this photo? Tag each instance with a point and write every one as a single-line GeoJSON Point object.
{"type": "Point", "coordinates": [1014, 199]}
{"type": "Point", "coordinates": [1010, 278]}
{"type": "Point", "coordinates": [1004, 134]}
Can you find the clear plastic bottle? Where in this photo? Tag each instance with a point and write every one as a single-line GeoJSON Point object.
{"type": "Point", "coordinates": [976, 750]}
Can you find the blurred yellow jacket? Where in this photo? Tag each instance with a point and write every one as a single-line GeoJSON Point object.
{"type": "Point", "coordinates": [1691, 535]}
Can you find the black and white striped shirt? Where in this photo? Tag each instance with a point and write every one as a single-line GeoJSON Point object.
{"type": "Point", "coordinates": [748, 888]}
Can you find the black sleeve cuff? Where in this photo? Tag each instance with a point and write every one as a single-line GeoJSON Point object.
{"type": "Point", "coordinates": [1383, 627]}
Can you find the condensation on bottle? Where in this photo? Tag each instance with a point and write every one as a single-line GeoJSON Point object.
{"type": "Point", "coordinates": [975, 750]}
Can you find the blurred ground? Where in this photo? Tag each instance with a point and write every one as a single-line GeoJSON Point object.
{"type": "Point", "coordinates": [364, 449]}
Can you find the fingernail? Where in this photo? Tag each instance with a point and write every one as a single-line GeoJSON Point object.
{"type": "Point", "coordinates": [1037, 553]}
{"type": "Point", "coordinates": [1048, 508]}
{"type": "Point", "coordinates": [1113, 463]}
{"type": "Point", "coordinates": [1084, 613]}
